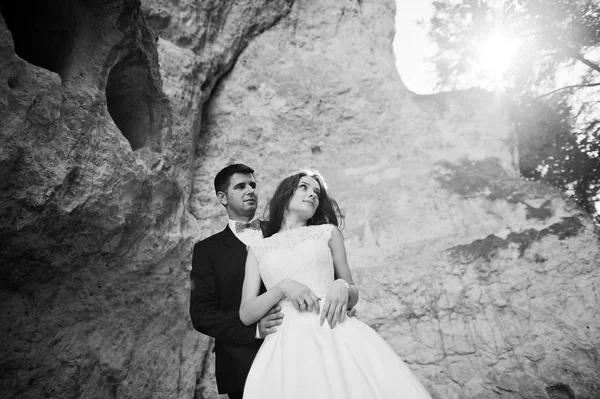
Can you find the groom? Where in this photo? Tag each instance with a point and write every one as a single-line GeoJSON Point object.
{"type": "Point", "coordinates": [218, 266]}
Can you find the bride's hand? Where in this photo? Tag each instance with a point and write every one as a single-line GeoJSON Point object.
{"type": "Point", "coordinates": [336, 303]}
{"type": "Point", "coordinates": [299, 295]}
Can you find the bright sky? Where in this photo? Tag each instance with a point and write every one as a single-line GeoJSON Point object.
{"type": "Point", "coordinates": [412, 46]}
{"type": "Point", "coordinates": [415, 49]}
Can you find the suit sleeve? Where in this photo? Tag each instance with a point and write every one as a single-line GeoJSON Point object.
{"type": "Point", "coordinates": [205, 308]}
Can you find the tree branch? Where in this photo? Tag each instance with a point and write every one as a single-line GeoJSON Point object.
{"type": "Point", "coordinates": [587, 62]}
{"type": "Point", "coordinates": [576, 55]}
{"type": "Point", "coordinates": [566, 88]}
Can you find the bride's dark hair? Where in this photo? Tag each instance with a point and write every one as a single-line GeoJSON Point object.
{"type": "Point", "coordinates": [328, 210]}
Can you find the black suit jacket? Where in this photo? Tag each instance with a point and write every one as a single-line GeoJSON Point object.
{"type": "Point", "coordinates": [217, 276]}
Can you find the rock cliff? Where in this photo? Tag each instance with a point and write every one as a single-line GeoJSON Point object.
{"type": "Point", "coordinates": [114, 118]}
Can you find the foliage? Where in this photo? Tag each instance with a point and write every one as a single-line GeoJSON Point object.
{"type": "Point", "coordinates": [553, 79]}
{"type": "Point", "coordinates": [550, 152]}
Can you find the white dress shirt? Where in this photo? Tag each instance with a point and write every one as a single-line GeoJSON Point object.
{"type": "Point", "coordinates": [249, 237]}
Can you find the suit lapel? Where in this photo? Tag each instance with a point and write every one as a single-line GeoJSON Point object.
{"type": "Point", "coordinates": [234, 244]}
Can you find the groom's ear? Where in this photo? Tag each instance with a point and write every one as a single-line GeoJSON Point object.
{"type": "Point", "coordinates": [222, 198]}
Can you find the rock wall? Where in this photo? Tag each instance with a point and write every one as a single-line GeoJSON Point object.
{"type": "Point", "coordinates": [114, 118]}
{"type": "Point", "coordinates": [93, 206]}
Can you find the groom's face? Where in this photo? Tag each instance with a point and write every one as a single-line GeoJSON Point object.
{"type": "Point", "coordinates": [241, 198]}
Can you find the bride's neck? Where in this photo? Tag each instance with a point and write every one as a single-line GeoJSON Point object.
{"type": "Point", "coordinates": [292, 222]}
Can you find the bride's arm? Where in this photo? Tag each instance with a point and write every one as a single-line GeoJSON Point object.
{"type": "Point", "coordinates": [342, 294]}
{"type": "Point", "coordinates": [340, 264]}
{"type": "Point", "coordinates": [255, 306]}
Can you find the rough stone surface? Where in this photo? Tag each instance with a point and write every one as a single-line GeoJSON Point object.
{"type": "Point", "coordinates": [92, 301]}
{"type": "Point", "coordinates": [114, 118]}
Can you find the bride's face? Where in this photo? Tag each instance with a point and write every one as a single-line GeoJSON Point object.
{"type": "Point", "coordinates": [305, 200]}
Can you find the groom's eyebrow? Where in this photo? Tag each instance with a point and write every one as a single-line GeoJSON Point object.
{"type": "Point", "coordinates": [243, 184]}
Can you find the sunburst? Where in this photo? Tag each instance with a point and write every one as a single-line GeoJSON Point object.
{"type": "Point", "coordinates": [496, 56]}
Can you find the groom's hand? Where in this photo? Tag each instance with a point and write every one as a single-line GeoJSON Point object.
{"type": "Point", "coordinates": [267, 324]}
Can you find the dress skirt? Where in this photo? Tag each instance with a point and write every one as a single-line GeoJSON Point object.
{"type": "Point", "coordinates": [304, 360]}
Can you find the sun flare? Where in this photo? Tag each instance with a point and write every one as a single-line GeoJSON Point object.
{"type": "Point", "coordinates": [496, 56]}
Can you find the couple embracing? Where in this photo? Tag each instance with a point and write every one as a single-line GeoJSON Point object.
{"type": "Point", "coordinates": [278, 298]}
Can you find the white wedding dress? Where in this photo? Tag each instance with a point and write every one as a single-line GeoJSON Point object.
{"type": "Point", "coordinates": [305, 360]}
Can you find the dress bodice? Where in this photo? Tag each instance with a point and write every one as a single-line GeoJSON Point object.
{"type": "Point", "coordinates": [300, 254]}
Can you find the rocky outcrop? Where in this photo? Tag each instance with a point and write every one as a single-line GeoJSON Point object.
{"type": "Point", "coordinates": [198, 45]}
{"type": "Point", "coordinates": [93, 205]}
{"type": "Point", "coordinates": [116, 115]}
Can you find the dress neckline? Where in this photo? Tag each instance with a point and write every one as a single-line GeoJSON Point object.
{"type": "Point", "coordinates": [294, 228]}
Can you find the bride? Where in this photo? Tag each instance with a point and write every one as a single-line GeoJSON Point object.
{"type": "Point", "coordinates": [318, 351]}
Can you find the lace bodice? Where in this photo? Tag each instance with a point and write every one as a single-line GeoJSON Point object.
{"type": "Point", "coordinates": [300, 254]}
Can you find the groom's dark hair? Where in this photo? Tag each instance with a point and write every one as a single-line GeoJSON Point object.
{"type": "Point", "coordinates": [224, 176]}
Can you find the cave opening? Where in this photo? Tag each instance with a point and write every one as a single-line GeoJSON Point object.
{"type": "Point", "coordinates": [133, 101]}
{"type": "Point", "coordinates": [43, 31]}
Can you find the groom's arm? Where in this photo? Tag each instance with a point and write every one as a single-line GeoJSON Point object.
{"type": "Point", "coordinates": [205, 306]}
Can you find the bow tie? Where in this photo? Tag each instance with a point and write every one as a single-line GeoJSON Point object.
{"type": "Point", "coordinates": [240, 226]}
